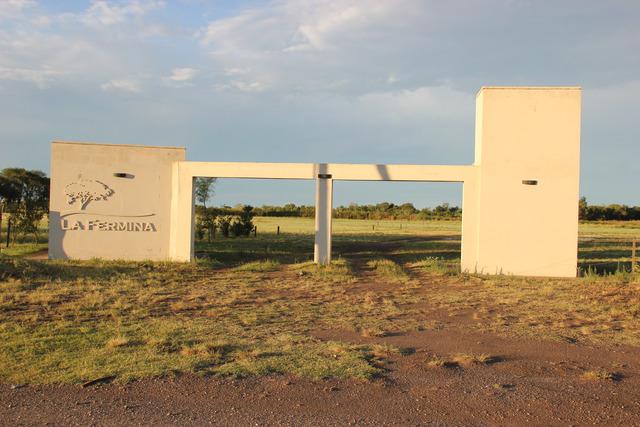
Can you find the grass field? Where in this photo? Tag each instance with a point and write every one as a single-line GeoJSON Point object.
{"type": "Point", "coordinates": [253, 306]}
{"type": "Point", "coordinates": [604, 247]}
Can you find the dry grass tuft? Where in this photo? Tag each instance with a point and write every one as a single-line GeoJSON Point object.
{"type": "Point", "coordinates": [461, 359]}
{"type": "Point", "coordinates": [474, 359]}
{"type": "Point", "coordinates": [118, 342]}
{"type": "Point", "coordinates": [338, 271]}
{"type": "Point", "coordinates": [373, 331]}
{"type": "Point", "coordinates": [601, 375]}
{"type": "Point", "coordinates": [439, 362]}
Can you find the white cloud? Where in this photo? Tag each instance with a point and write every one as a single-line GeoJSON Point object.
{"type": "Point", "coordinates": [419, 104]}
{"type": "Point", "coordinates": [236, 71]}
{"type": "Point", "coordinates": [242, 86]}
{"type": "Point", "coordinates": [124, 85]}
{"type": "Point", "coordinates": [107, 13]}
{"type": "Point", "coordinates": [248, 86]}
{"type": "Point", "coordinates": [43, 58]}
{"type": "Point", "coordinates": [53, 48]}
{"type": "Point", "coordinates": [38, 77]}
{"type": "Point", "coordinates": [301, 45]}
{"type": "Point", "coordinates": [321, 29]}
{"type": "Point", "coordinates": [11, 8]}
{"type": "Point", "coordinates": [42, 21]}
{"type": "Point", "coordinates": [183, 74]}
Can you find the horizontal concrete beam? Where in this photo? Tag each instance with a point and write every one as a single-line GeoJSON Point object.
{"type": "Point", "coordinates": [335, 171]}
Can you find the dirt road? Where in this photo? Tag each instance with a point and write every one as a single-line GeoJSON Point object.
{"type": "Point", "coordinates": [526, 383]}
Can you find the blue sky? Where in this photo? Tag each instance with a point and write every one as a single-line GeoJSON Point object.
{"type": "Point", "coordinates": [315, 81]}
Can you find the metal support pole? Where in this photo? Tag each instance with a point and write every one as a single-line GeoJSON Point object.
{"type": "Point", "coordinates": [324, 205]}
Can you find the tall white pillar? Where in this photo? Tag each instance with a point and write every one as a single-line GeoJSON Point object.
{"type": "Point", "coordinates": [324, 205]}
{"type": "Point", "coordinates": [525, 204]}
{"type": "Point", "coordinates": [181, 242]}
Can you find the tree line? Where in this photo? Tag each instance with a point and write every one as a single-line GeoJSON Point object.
{"type": "Point", "coordinates": [407, 211]}
{"type": "Point", "coordinates": [385, 210]}
{"type": "Point", "coordinates": [24, 194]}
{"type": "Point", "coordinates": [613, 212]}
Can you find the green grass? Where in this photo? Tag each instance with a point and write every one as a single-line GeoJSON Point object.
{"type": "Point", "coordinates": [604, 247]}
{"type": "Point", "coordinates": [358, 226]}
{"type": "Point", "coordinates": [263, 265]}
{"type": "Point", "coordinates": [388, 270]}
{"type": "Point", "coordinates": [440, 265]}
{"type": "Point", "coordinates": [23, 244]}
{"type": "Point", "coordinates": [23, 249]}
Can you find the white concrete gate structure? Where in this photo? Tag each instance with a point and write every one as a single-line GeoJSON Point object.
{"type": "Point", "coordinates": [519, 203]}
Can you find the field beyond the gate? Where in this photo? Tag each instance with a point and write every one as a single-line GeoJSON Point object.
{"type": "Point", "coordinates": [391, 316]}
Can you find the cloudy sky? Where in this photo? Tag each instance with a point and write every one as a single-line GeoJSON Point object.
{"type": "Point", "coordinates": [368, 81]}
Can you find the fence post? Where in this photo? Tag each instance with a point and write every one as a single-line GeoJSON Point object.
{"type": "Point", "coordinates": [633, 256]}
{"type": "Point", "coordinates": [255, 231]}
{"type": "Point", "coordinates": [278, 231]}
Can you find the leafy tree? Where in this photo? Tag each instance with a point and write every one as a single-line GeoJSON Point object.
{"type": "Point", "coordinates": [199, 229]}
{"type": "Point", "coordinates": [204, 189]}
{"type": "Point", "coordinates": [9, 192]}
{"type": "Point", "coordinates": [223, 222]}
{"type": "Point", "coordinates": [236, 227]}
{"type": "Point", "coordinates": [244, 224]}
{"type": "Point", "coordinates": [31, 202]}
{"type": "Point", "coordinates": [582, 208]}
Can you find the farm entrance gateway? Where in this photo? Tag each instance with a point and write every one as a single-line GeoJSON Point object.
{"type": "Point", "coordinates": [519, 197]}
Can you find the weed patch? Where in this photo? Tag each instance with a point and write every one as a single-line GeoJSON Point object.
{"type": "Point", "coordinates": [388, 270]}
{"type": "Point", "coordinates": [601, 375]}
{"type": "Point", "coordinates": [259, 266]}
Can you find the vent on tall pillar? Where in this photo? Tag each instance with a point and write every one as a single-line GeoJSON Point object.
{"type": "Point", "coordinates": [123, 175]}
{"type": "Point", "coordinates": [530, 181]}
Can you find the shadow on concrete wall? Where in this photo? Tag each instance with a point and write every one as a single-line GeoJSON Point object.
{"type": "Point", "coordinates": [56, 237]}
{"type": "Point", "coordinates": [383, 172]}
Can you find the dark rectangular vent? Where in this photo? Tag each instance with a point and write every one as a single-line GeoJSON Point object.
{"type": "Point", "coordinates": [123, 175]}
